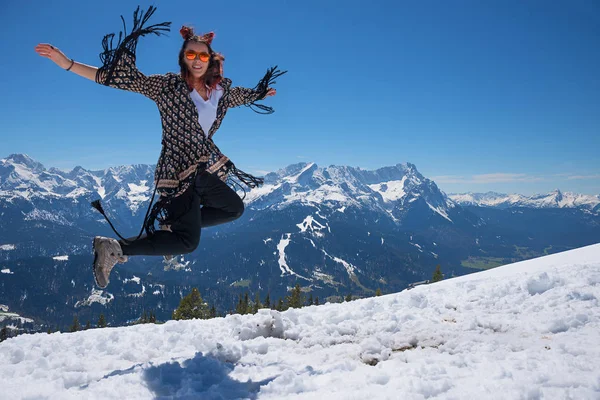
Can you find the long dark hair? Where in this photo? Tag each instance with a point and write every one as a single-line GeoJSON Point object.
{"type": "Point", "coordinates": [212, 76]}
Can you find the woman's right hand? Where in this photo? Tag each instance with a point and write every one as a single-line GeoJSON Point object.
{"type": "Point", "coordinates": [51, 52]}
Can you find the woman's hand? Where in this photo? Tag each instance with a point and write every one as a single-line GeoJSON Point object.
{"type": "Point", "coordinates": [51, 52]}
{"type": "Point", "coordinates": [271, 92]}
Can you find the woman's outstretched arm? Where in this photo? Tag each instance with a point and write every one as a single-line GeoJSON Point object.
{"type": "Point", "coordinates": [59, 58]}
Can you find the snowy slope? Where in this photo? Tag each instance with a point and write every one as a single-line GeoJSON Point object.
{"type": "Point", "coordinates": [530, 330]}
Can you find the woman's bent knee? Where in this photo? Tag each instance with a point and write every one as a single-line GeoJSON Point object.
{"type": "Point", "coordinates": [239, 210]}
{"type": "Point", "coordinates": [191, 244]}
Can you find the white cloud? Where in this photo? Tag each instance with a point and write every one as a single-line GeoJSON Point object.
{"type": "Point", "coordinates": [260, 171]}
{"type": "Point", "coordinates": [583, 177]}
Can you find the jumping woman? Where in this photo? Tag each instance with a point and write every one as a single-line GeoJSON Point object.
{"type": "Point", "coordinates": [192, 176]}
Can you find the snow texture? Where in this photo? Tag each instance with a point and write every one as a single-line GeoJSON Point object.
{"type": "Point", "coordinates": [529, 330]}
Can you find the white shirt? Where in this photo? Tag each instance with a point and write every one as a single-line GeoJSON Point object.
{"type": "Point", "coordinates": [207, 109]}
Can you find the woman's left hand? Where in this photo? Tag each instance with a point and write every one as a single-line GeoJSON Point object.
{"type": "Point", "coordinates": [271, 92]}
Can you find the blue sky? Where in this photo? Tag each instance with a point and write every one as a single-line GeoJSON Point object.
{"type": "Point", "coordinates": [480, 95]}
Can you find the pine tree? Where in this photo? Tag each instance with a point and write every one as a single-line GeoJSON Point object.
{"type": "Point", "coordinates": [280, 305]}
{"type": "Point", "coordinates": [437, 274]}
{"type": "Point", "coordinates": [213, 312]}
{"type": "Point", "coordinates": [310, 300]}
{"type": "Point", "coordinates": [88, 325]}
{"type": "Point", "coordinates": [378, 292]}
{"type": "Point", "coordinates": [101, 321]}
{"type": "Point", "coordinates": [75, 327]}
{"type": "Point", "coordinates": [246, 306]}
{"type": "Point", "coordinates": [191, 306]}
{"type": "Point", "coordinates": [256, 306]}
{"type": "Point", "coordinates": [296, 298]}
{"type": "Point", "coordinates": [241, 307]}
{"type": "Point", "coordinates": [349, 297]}
{"type": "Point", "coordinates": [4, 334]}
{"type": "Point", "coordinates": [152, 318]}
{"type": "Point", "coordinates": [267, 301]}
{"type": "Point", "coordinates": [144, 319]}
{"type": "Point", "coordinates": [317, 301]}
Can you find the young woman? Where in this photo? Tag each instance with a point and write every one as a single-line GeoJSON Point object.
{"type": "Point", "coordinates": [191, 171]}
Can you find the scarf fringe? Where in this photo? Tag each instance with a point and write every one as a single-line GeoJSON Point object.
{"type": "Point", "coordinates": [148, 220]}
{"type": "Point", "coordinates": [127, 42]}
{"type": "Point", "coordinates": [110, 56]}
{"type": "Point", "coordinates": [243, 177]}
{"type": "Point", "coordinates": [262, 88]}
{"type": "Point", "coordinates": [247, 179]}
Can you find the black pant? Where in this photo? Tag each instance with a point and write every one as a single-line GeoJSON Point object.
{"type": "Point", "coordinates": [220, 204]}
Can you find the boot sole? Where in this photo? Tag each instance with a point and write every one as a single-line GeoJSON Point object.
{"type": "Point", "coordinates": [94, 264]}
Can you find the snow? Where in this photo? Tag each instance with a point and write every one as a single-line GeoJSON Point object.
{"type": "Point", "coordinates": [135, 279]}
{"type": "Point", "coordinates": [390, 191]}
{"type": "Point", "coordinates": [138, 194]}
{"type": "Point", "coordinates": [78, 192]}
{"type": "Point", "coordinates": [97, 296]}
{"type": "Point", "coordinates": [43, 215]}
{"type": "Point", "coordinates": [177, 264]}
{"type": "Point", "coordinates": [100, 189]}
{"type": "Point", "coordinates": [555, 199]}
{"type": "Point", "coordinates": [283, 243]}
{"type": "Point", "coordinates": [418, 247]}
{"type": "Point", "coordinates": [285, 269]}
{"type": "Point", "coordinates": [11, 316]}
{"type": "Point", "coordinates": [318, 196]}
{"type": "Point", "coordinates": [259, 192]}
{"type": "Point", "coordinates": [61, 258]}
{"type": "Point", "coordinates": [7, 247]}
{"type": "Point", "coordinates": [138, 189]}
{"type": "Point", "coordinates": [529, 330]}
{"type": "Point", "coordinates": [294, 178]}
{"type": "Point", "coordinates": [347, 266]}
{"type": "Point", "coordinates": [312, 225]}
{"type": "Point", "coordinates": [440, 211]}
{"type": "Point", "coordinates": [5, 315]}
{"type": "Point", "coordinates": [6, 271]}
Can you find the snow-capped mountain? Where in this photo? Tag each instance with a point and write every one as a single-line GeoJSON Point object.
{"type": "Point", "coordinates": [335, 230]}
{"type": "Point", "coordinates": [554, 199]}
{"type": "Point", "coordinates": [390, 190]}
{"type": "Point", "coordinates": [25, 178]}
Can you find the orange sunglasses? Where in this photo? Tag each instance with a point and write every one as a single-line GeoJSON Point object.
{"type": "Point", "coordinates": [191, 55]}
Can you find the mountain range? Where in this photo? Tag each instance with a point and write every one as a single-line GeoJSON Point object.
{"type": "Point", "coordinates": [554, 199]}
{"type": "Point", "coordinates": [334, 230]}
